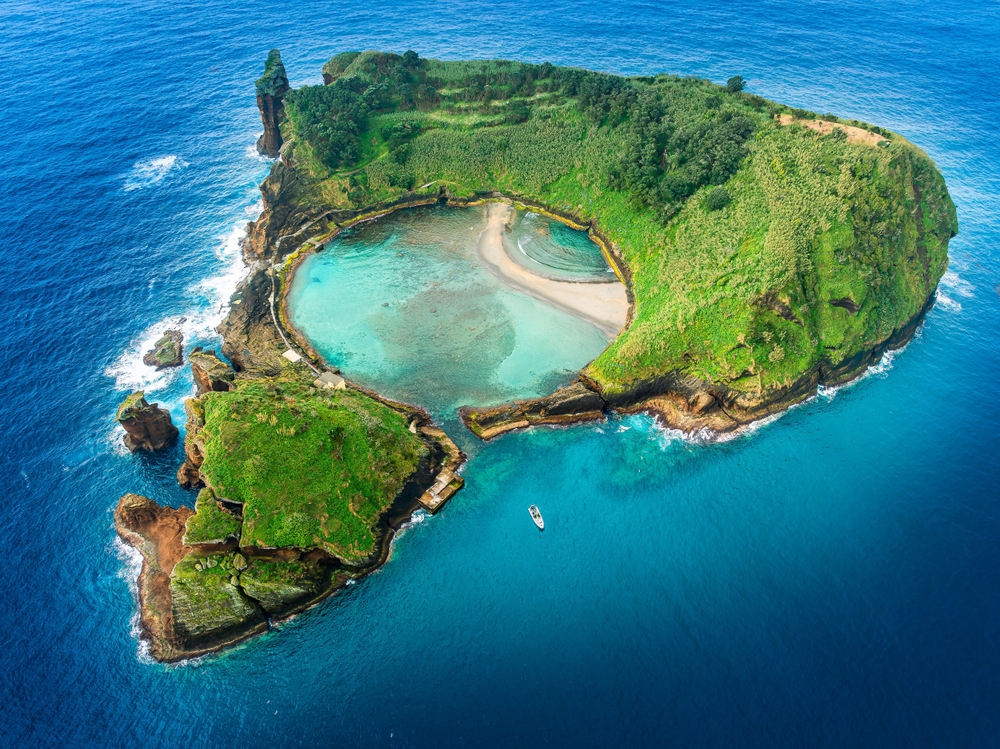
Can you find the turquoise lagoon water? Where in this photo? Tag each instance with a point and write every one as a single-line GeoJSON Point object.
{"type": "Point", "coordinates": [831, 580]}
{"type": "Point", "coordinates": [402, 305]}
{"type": "Point", "coordinates": [552, 249]}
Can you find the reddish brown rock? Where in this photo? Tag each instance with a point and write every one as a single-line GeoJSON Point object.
{"type": "Point", "coordinates": [157, 533]}
{"type": "Point", "coordinates": [211, 373]}
{"type": "Point", "coordinates": [147, 426]}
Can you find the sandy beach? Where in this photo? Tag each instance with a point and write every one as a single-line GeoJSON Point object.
{"type": "Point", "coordinates": [603, 304]}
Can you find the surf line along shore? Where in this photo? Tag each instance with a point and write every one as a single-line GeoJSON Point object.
{"type": "Point", "coordinates": [602, 303]}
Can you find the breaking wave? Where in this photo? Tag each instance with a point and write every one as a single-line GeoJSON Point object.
{"type": "Point", "coordinates": [131, 373]}
{"type": "Point", "coordinates": [151, 172]}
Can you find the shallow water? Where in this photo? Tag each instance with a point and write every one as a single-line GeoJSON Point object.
{"type": "Point", "coordinates": [831, 580]}
{"type": "Point", "coordinates": [551, 249]}
{"type": "Point", "coordinates": [402, 305]}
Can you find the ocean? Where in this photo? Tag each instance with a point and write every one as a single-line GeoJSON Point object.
{"type": "Point", "coordinates": [830, 579]}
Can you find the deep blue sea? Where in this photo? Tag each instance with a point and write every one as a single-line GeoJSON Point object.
{"type": "Point", "coordinates": [832, 579]}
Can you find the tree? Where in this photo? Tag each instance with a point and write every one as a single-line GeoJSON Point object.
{"type": "Point", "coordinates": [717, 199]}
{"type": "Point", "coordinates": [736, 84]}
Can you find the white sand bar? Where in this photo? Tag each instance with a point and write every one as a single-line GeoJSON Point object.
{"type": "Point", "coordinates": [601, 303]}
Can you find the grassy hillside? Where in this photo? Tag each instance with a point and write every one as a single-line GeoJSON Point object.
{"type": "Point", "coordinates": [312, 469]}
{"type": "Point", "coordinates": [757, 250]}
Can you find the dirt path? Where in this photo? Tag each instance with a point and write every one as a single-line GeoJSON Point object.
{"type": "Point", "coordinates": [603, 304]}
{"type": "Point", "coordinates": [825, 127]}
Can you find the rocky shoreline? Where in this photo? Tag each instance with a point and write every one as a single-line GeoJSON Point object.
{"type": "Point", "coordinates": [678, 402]}
{"type": "Point", "coordinates": [689, 406]}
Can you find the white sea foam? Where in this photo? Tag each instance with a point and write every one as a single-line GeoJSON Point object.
{"type": "Point", "coordinates": [957, 284]}
{"type": "Point", "coordinates": [131, 569]}
{"type": "Point", "coordinates": [252, 153]}
{"type": "Point", "coordinates": [151, 171]}
{"type": "Point", "coordinates": [945, 302]}
{"type": "Point", "coordinates": [130, 372]}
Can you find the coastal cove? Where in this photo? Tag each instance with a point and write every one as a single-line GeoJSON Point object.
{"type": "Point", "coordinates": [827, 575]}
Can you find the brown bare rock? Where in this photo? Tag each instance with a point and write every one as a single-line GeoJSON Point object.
{"type": "Point", "coordinates": [211, 373]}
{"type": "Point", "coordinates": [147, 426]}
{"type": "Point", "coordinates": [271, 89]}
{"type": "Point", "coordinates": [157, 533]}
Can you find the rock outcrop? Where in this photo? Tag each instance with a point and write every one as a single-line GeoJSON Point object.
{"type": "Point", "coordinates": [156, 533]}
{"type": "Point", "coordinates": [166, 352]}
{"type": "Point", "coordinates": [567, 405]}
{"type": "Point", "coordinates": [271, 89]}
{"type": "Point", "coordinates": [147, 426]}
{"type": "Point", "coordinates": [189, 474]}
{"type": "Point", "coordinates": [211, 373]}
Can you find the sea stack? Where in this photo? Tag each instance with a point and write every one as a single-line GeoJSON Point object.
{"type": "Point", "coordinates": [166, 352]}
{"type": "Point", "coordinates": [147, 426]}
{"type": "Point", "coordinates": [271, 89]}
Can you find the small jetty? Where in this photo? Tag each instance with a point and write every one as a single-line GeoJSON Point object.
{"type": "Point", "coordinates": [448, 481]}
{"type": "Point", "coordinates": [537, 517]}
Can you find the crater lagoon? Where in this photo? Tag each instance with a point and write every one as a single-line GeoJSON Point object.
{"type": "Point", "coordinates": [404, 305]}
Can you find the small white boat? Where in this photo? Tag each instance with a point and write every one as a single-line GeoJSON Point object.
{"type": "Point", "coordinates": [537, 517]}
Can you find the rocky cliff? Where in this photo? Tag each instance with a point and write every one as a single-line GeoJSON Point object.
{"type": "Point", "coordinates": [147, 426]}
{"type": "Point", "coordinates": [271, 89]}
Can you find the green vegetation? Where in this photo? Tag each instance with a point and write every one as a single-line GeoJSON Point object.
{"type": "Point", "coordinates": [281, 585]}
{"type": "Point", "coordinates": [207, 600]}
{"type": "Point", "coordinates": [736, 292]}
{"type": "Point", "coordinates": [274, 81]}
{"type": "Point", "coordinates": [166, 352]}
{"type": "Point", "coordinates": [129, 407]}
{"type": "Point", "coordinates": [312, 468]}
{"type": "Point", "coordinates": [210, 524]}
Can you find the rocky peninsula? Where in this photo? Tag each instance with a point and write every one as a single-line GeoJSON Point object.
{"type": "Point", "coordinates": [762, 254]}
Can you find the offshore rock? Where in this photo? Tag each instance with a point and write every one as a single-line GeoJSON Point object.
{"type": "Point", "coordinates": [568, 405]}
{"type": "Point", "coordinates": [211, 373]}
{"type": "Point", "coordinates": [271, 89]}
{"type": "Point", "coordinates": [147, 426]}
{"type": "Point", "coordinates": [166, 352]}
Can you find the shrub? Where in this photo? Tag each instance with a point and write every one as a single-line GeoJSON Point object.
{"type": "Point", "coordinates": [736, 84]}
{"type": "Point", "coordinates": [717, 199]}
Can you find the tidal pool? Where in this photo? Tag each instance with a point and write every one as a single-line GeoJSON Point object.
{"type": "Point", "coordinates": [405, 306]}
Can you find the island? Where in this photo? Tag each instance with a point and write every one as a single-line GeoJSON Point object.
{"type": "Point", "coordinates": [764, 251]}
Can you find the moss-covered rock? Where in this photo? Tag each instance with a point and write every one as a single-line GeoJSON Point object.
{"type": "Point", "coordinates": [207, 607]}
{"type": "Point", "coordinates": [166, 352]}
{"type": "Point", "coordinates": [280, 586]}
{"type": "Point", "coordinates": [312, 468]}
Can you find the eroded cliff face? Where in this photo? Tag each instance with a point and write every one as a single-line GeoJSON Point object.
{"type": "Point", "coordinates": [147, 426]}
{"type": "Point", "coordinates": [271, 89]}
